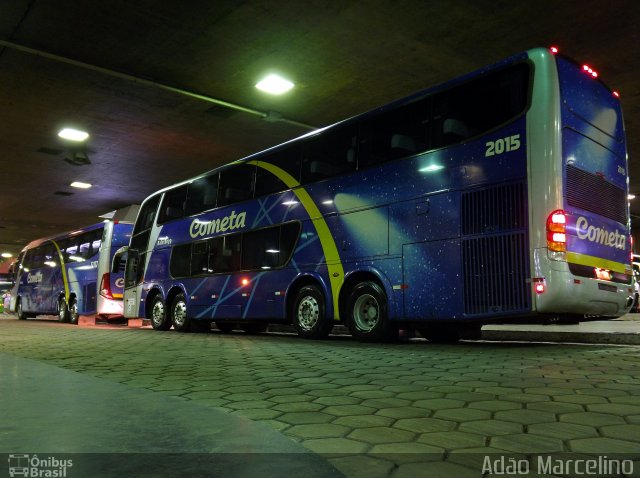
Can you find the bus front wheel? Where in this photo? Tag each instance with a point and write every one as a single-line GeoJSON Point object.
{"type": "Point", "coordinates": [367, 317]}
{"type": "Point", "coordinates": [179, 317]}
{"type": "Point", "coordinates": [309, 317]}
{"type": "Point", "coordinates": [20, 312]}
{"type": "Point", "coordinates": [158, 314]}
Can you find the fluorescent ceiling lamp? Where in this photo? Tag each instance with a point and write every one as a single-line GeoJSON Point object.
{"type": "Point", "coordinates": [73, 134]}
{"type": "Point", "coordinates": [274, 84]}
{"type": "Point", "coordinates": [7, 255]}
{"type": "Point", "coordinates": [632, 196]}
{"type": "Point", "coordinates": [81, 185]}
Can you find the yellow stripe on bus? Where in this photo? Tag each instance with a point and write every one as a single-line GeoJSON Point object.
{"type": "Point", "coordinates": [65, 281]}
{"type": "Point", "coordinates": [585, 260]}
{"type": "Point", "coordinates": [331, 255]}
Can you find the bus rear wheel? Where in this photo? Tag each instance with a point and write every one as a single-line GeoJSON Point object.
{"type": "Point", "coordinates": [158, 314]}
{"type": "Point", "coordinates": [73, 311]}
{"type": "Point", "coordinates": [309, 317]}
{"type": "Point", "coordinates": [367, 317]}
{"type": "Point", "coordinates": [179, 318]}
{"type": "Point", "coordinates": [63, 310]}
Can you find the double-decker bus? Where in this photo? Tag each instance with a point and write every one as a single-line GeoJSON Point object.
{"type": "Point", "coordinates": [498, 196]}
{"type": "Point", "coordinates": [69, 274]}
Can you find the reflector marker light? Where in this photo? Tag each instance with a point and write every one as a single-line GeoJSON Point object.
{"type": "Point", "coordinates": [591, 71]}
{"type": "Point", "coordinates": [557, 231]}
{"type": "Point", "coordinates": [616, 94]}
{"type": "Point", "coordinates": [538, 285]}
{"type": "Point", "coordinates": [245, 281]}
{"type": "Point", "coordinates": [554, 49]}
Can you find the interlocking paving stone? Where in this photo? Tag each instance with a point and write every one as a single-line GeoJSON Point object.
{"type": "Point", "coordinates": [615, 408]}
{"type": "Point", "coordinates": [438, 403]}
{"type": "Point", "coordinates": [421, 425]}
{"type": "Point", "coordinates": [363, 421]}
{"type": "Point", "coordinates": [555, 407]}
{"type": "Point", "coordinates": [462, 414]}
{"type": "Point", "coordinates": [303, 418]}
{"type": "Point", "coordinates": [603, 445]}
{"type": "Point", "coordinates": [526, 417]}
{"type": "Point", "coordinates": [452, 440]}
{"type": "Point", "coordinates": [404, 412]}
{"type": "Point", "coordinates": [377, 435]}
{"type": "Point", "coordinates": [591, 418]}
{"type": "Point", "coordinates": [324, 430]}
{"type": "Point", "coordinates": [336, 445]}
{"type": "Point", "coordinates": [525, 443]}
{"type": "Point", "coordinates": [563, 431]}
{"type": "Point", "coordinates": [491, 427]}
{"type": "Point", "coordinates": [495, 405]}
{"type": "Point", "coordinates": [623, 432]}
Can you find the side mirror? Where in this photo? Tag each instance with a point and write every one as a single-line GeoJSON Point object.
{"type": "Point", "coordinates": [119, 259]}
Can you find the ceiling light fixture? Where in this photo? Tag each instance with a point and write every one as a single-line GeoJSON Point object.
{"type": "Point", "coordinates": [73, 134]}
{"type": "Point", "coordinates": [81, 185]}
{"type": "Point", "coordinates": [274, 84]}
{"type": "Point", "coordinates": [6, 255]}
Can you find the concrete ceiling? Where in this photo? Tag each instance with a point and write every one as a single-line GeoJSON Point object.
{"type": "Point", "coordinates": [59, 59]}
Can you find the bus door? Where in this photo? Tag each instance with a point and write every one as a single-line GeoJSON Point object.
{"type": "Point", "coordinates": [51, 278]}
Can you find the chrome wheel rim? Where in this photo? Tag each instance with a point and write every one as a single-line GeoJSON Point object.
{"type": "Point", "coordinates": [73, 312]}
{"type": "Point", "coordinates": [157, 313]}
{"type": "Point", "coordinates": [180, 314]}
{"type": "Point", "coordinates": [366, 312]}
{"type": "Point", "coordinates": [308, 313]}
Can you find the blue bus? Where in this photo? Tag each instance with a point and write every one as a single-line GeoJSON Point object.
{"type": "Point", "coordinates": [498, 196]}
{"type": "Point", "coordinates": [69, 275]}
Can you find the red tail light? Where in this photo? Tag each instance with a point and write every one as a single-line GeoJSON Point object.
{"type": "Point", "coordinates": [557, 231]}
{"type": "Point", "coordinates": [105, 286]}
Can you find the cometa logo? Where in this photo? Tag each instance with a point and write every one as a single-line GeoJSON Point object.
{"type": "Point", "coordinates": [232, 221]}
{"type": "Point", "coordinates": [34, 278]}
{"type": "Point", "coordinates": [599, 234]}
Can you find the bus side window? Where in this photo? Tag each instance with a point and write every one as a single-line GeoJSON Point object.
{"type": "Point", "coordinates": [199, 258]}
{"type": "Point", "coordinates": [261, 249]}
{"type": "Point", "coordinates": [202, 194]}
{"type": "Point", "coordinates": [173, 204]}
{"type": "Point", "coordinates": [224, 253]}
{"type": "Point", "coordinates": [146, 217]}
{"type": "Point", "coordinates": [394, 134]}
{"type": "Point", "coordinates": [288, 159]}
{"type": "Point", "coordinates": [236, 184]}
{"type": "Point", "coordinates": [329, 154]}
{"type": "Point", "coordinates": [180, 263]}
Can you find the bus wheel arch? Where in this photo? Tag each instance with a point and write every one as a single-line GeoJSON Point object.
{"type": "Point", "coordinates": [364, 307]}
{"type": "Point", "coordinates": [307, 309]}
{"type": "Point", "coordinates": [156, 311]}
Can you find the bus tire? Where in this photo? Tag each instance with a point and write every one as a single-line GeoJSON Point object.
{"type": "Point", "coordinates": [158, 314]}
{"type": "Point", "coordinates": [63, 310]}
{"type": "Point", "coordinates": [20, 312]}
{"type": "Point", "coordinates": [367, 317]}
{"type": "Point", "coordinates": [178, 313]}
{"type": "Point", "coordinates": [73, 311]}
{"type": "Point", "coordinates": [309, 315]}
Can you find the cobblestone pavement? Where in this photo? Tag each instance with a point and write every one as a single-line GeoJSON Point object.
{"type": "Point", "coordinates": [376, 410]}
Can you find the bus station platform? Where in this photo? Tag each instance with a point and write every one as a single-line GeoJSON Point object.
{"type": "Point", "coordinates": [125, 401]}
